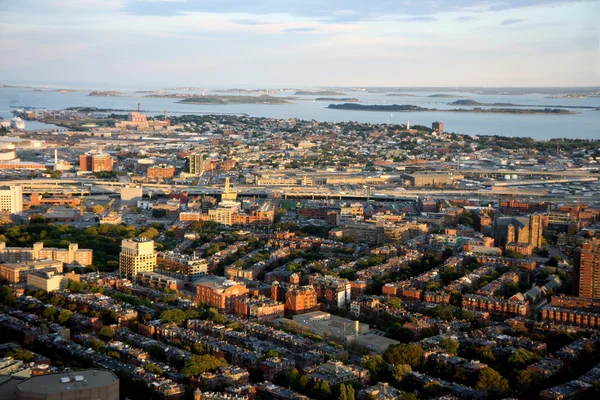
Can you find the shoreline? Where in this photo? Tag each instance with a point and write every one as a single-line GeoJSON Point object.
{"type": "Point", "coordinates": [399, 109]}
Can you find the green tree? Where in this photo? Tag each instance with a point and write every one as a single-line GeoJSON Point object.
{"type": "Point", "coordinates": [200, 364]}
{"type": "Point", "coordinates": [95, 344]}
{"type": "Point", "coordinates": [177, 316]}
{"type": "Point", "coordinates": [394, 302]}
{"type": "Point", "coordinates": [272, 353]}
{"type": "Point", "coordinates": [198, 348]}
{"type": "Point", "coordinates": [321, 390]}
{"type": "Point", "coordinates": [408, 396]}
{"type": "Point", "coordinates": [294, 379]}
{"type": "Point", "coordinates": [375, 365]}
{"type": "Point", "coordinates": [491, 381]}
{"type": "Point", "coordinates": [444, 312]}
{"type": "Point", "coordinates": [400, 371]}
{"type": "Point", "coordinates": [411, 354]}
{"type": "Point", "coordinates": [153, 369]}
{"type": "Point", "coordinates": [400, 333]}
{"type": "Point", "coordinates": [521, 358]}
{"type": "Point", "coordinates": [97, 209]}
{"type": "Point", "coordinates": [303, 382]}
{"type": "Point", "coordinates": [63, 317]}
{"type": "Point", "coordinates": [7, 297]}
{"type": "Point", "coordinates": [50, 313]}
{"type": "Point", "coordinates": [21, 354]}
{"type": "Point", "coordinates": [76, 287]}
{"type": "Point", "coordinates": [191, 314]}
{"type": "Point", "coordinates": [346, 392]}
{"type": "Point", "coordinates": [149, 234]}
{"type": "Point", "coordinates": [106, 332]}
{"type": "Point", "coordinates": [526, 379]}
{"type": "Point", "coordinates": [485, 355]}
{"type": "Point", "coordinates": [432, 390]}
{"type": "Point", "coordinates": [213, 315]}
{"type": "Point", "coordinates": [450, 345]}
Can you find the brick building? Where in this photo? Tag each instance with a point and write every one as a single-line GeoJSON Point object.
{"type": "Point", "coordinates": [586, 271]}
{"type": "Point", "coordinates": [259, 307]}
{"type": "Point", "coordinates": [219, 292]}
{"type": "Point", "coordinates": [161, 171]}
{"type": "Point", "coordinates": [95, 162]}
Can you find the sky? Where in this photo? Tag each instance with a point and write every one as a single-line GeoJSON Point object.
{"type": "Point", "coordinates": [275, 43]}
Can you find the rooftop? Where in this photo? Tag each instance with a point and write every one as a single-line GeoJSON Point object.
{"type": "Point", "coordinates": [55, 383]}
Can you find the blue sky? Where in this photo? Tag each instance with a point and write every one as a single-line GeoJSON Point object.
{"type": "Point", "coordinates": [159, 43]}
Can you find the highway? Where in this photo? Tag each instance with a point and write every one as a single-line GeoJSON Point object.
{"type": "Point", "coordinates": [76, 186]}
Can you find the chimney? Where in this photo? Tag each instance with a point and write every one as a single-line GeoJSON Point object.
{"type": "Point", "coordinates": [356, 328]}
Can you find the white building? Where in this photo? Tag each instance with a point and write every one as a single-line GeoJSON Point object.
{"type": "Point", "coordinates": [137, 255]}
{"type": "Point", "coordinates": [11, 199]}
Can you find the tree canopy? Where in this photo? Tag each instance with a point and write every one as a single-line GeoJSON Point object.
{"type": "Point", "coordinates": [411, 354]}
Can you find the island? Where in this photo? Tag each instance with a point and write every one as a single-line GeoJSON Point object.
{"type": "Point", "coordinates": [57, 90]}
{"type": "Point", "coordinates": [476, 103]}
{"type": "Point", "coordinates": [252, 91]}
{"type": "Point", "coordinates": [400, 95]}
{"type": "Point", "coordinates": [346, 99]}
{"type": "Point", "coordinates": [264, 99]}
{"type": "Point", "coordinates": [187, 89]}
{"type": "Point", "coordinates": [3, 86]}
{"type": "Point", "coordinates": [446, 96]}
{"type": "Point", "coordinates": [410, 107]}
{"type": "Point", "coordinates": [107, 93]}
{"type": "Point", "coordinates": [319, 93]}
{"type": "Point", "coordinates": [86, 109]}
{"type": "Point", "coordinates": [378, 107]}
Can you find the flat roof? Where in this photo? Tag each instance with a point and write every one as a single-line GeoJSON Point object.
{"type": "Point", "coordinates": [59, 382]}
{"type": "Point", "coordinates": [375, 340]}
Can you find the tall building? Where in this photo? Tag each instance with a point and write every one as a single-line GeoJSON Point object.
{"type": "Point", "coordinates": [438, 126]}
{"type": "Point", "coordinates": [95, 162]}
{"type": "Point", "coordinates": [228, 194]}
{"type": "Point", "coordinates": [586, 272]}
{"type": "Point", "coordinates": [137, 255]}
{"type": "Point", "coordinates": [11, 199]}
{"type": "Point", "coordinates": [196, 164]}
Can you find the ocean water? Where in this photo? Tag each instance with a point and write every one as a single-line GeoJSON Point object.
{"type": "Point", "coordinates": [584, 124]}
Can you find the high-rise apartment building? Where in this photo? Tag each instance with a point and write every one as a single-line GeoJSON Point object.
{"type": "Point", "coordinates": [438, 126]}
{"type": "Point", "coordinates": [95, 162]}
{"type": "Point", "coordinates": [137, 255]}
{"type": "Point", "coordinates": [196, 164]}
{"type": "Point", "coordinates": [586, 272]}
{"type": "Point", "coordinates": [11, 199]}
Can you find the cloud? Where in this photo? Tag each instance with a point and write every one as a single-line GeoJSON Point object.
{"type": "Point", "coordinates": [249, 21]}
{"type": "Point", "coordinates": [512, 21]}
{"type": "Point", "coordinates": [301, 29]}
{"type": "Point", "coordinates": [417, 19]}
{"type": "Point", "coordinates": [332, 10]}
{"type": "Point", "coordinates": [467, 18]}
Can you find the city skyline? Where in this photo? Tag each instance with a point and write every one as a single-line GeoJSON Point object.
{"type": "Point", "coordinates": [387, 43]}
